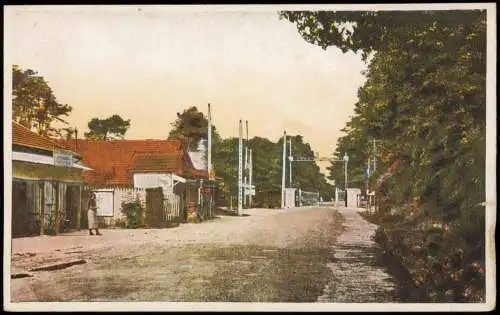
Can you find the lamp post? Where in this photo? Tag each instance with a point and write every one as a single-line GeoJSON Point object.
{"type": "Point", "coordinates": [334, 184]}
{"type": "Point", "coordinates": [346, 159]}
{"type": "Point", "coordinates": [240, 169]}
{"type": "Point", "coordinates": [283, 171]}
{"type": "Point", "coordinates": [290, 157]}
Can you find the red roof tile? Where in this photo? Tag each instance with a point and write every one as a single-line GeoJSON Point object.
{"type": "Point", "coordinates": [155, 162]}
{"type": "Point", "coordinates": [199, 173]}
{"type": "Point", "coordinates": [114, 161]}
{"type": "Point", "coordinates": [22, 136]}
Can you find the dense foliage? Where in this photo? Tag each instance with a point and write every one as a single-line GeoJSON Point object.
{"type": "Point", "coordinates": [134, 212]}
{"type": "Point", "coordinates": [34, 104]}
{"type": "Point", "coordinates": [107, 128]}
{"type": "Point", "coordinates": [424, 103]}
{"type": "Point", "coordinates": [191, 125]}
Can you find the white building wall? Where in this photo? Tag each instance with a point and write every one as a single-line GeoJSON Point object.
{"type": "Point", "coordinates": [121, 195]}
{"type": "Point", "coordinates": [153, 180]}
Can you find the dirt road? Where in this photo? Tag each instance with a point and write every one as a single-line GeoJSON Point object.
{"type": "Point", "coordinates": [267, 256]}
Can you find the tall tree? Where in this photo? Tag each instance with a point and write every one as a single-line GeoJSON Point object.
{"type": "Point", "coordinates": [108, 128]}
{"type": "Point", "coordinates": [192, 126]}
{"type": "Point", "coordinates": [68, 133]}
{"type": "Point", "coordinates": [34, 104]}
{"type": "Point", "coordinates": [225, 163]}
{"type": "Point", "coordinates": [266, 159]}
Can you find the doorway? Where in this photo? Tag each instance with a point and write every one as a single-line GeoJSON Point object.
{"type": "Point", "coordinates": [72, 203]}
{"type": "Point", "coordinates": [26, 205]}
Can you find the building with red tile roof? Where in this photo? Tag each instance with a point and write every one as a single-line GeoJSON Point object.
{"type": "Point", "coordinates": [158, 162]}
{"type": "Point", "coordinates": [114, 162]}
{"type": "Point", "coordinates": [120, 166]}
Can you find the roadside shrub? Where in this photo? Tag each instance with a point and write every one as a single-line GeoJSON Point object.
{"type": "Point", "coordinates": [121, 223]}
{"type": "Point", "coordinates": [101, 222]}
{"type": "Point", "coordinates": [50, 224]}
{"type": "Point", "coordinates": [134, 213]}
{"type": "Point", "coordinates": [444, 260]}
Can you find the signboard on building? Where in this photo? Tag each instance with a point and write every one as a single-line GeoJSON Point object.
{"type": "Point", "coordinates": [104, 201]}
{"type": "Point", "coordinates": [63, 158]}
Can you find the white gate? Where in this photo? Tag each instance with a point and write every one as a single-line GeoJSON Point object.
{"type": "Point", "coordinates": [171, 206]}
{"type": "Point", "coordinates": [308, 198]}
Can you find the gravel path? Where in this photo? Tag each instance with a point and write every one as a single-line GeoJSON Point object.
{"type": "Point", "coordinates": [285, 226]}
{"type": "Point", "coordinates": [268, 255]}
{"type": "Point", "coordinates": [293, 255]}
{"type": "Point", "coordinates": [358, 277]}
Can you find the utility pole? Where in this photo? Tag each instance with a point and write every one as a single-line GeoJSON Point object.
{"type": "Point", "coordinates": [345, 183]}
{"type": "Point", "coordinates": [346, 159]}
{"type": "Point", "coordinates": [211, 177]}
{"type": "Point", "coordinates": [250, 179]}
{"type": "Point", "coordinates": [368, 173]}
{"type": "Point", "coordinates": [244, 176]}
{"type": "Point", "coordinates": [290, 160]}
{"type": "Point", "coordinates": [209, 146]}
{"type": "Point", "coordinates": [240, 168]}
{"type": "Point", "coordinates": [283, 171]}
{"type": "Point", "coordinates": [245, 190]}
{"type": "Point", "coordinates": [245, 168]}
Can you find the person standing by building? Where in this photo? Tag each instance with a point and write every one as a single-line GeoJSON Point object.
{"type": "Point", "coordinates": [92, 215]}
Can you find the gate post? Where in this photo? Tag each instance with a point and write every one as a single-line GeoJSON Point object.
{"type": "Point", "coordinates": [300, 197]}
{"type": "Point", "coordinates": [58, 210]}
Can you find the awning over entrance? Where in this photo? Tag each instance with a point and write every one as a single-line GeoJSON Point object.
{"type": "Point", "coordinates": [41, 159]}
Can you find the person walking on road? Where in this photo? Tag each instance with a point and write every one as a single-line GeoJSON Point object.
{"type": "Point", "coordinates": [92, 215]}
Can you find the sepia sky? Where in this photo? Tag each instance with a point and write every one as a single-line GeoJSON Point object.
{"type": "Point", "coordinates": [146, 65]}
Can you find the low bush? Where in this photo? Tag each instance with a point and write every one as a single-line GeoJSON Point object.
{"type": "Point", "coordinates": [121, 223]}
{"type": "Point", "coordinates": [101, 223]}
{"type": "Point", "coordinates": [134, 213]}
{"type": "Point", "coordinates": [444, 260]}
